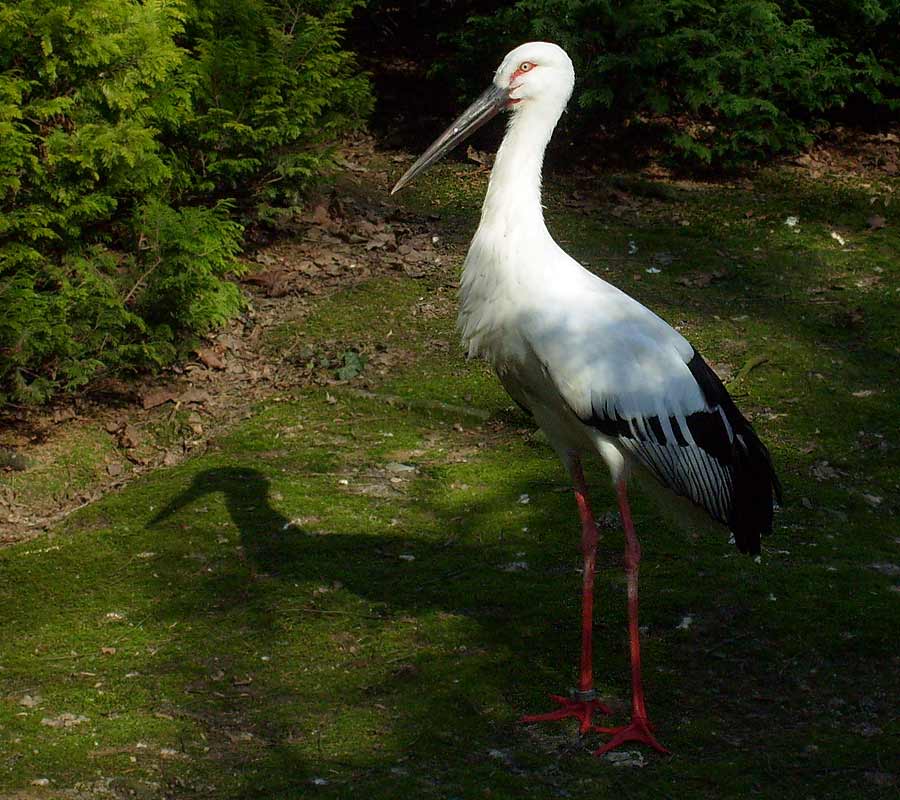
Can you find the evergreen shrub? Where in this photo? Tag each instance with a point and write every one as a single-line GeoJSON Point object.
{"type": "Point", "coordinates": [735, 80]}
{"type": "Point", "coordinates": [135, 138]}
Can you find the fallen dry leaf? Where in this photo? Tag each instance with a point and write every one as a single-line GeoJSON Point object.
{"type": "Point", "coordinates": [480, 157]}
{"type": "Point", "coordinates": [63, 414]}
{"type": "Point", "coordinates": [210, 358]}
{"type": "Point", "coordinates": [380, 240]}
{"type": "Point", "coordinates": [700, 280]}
{"type": "Point", "coordinates": [320, 215]}
{"type": "Point", "coordinates": [194, 396]}
{"type": "Point", "coordinates": [129, 437]}
{"type": "Point", "coordinates": [276, 283]}
{"type": "Point", "coordinates": [156, 397]}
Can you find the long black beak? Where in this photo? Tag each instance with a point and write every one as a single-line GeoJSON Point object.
{"type": "Point", "coordinates": [483, 109]}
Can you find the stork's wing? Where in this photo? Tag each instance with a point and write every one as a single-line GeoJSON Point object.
{"type": "Point", "coordinates": [645, 386]}
{"type": "Point", "coordinates": [711, 456]}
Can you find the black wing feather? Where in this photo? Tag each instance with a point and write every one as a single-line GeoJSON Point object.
{"type": "Point", "coordinates": [729, 473]}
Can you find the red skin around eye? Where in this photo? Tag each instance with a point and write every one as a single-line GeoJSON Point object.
{"type": "Point", "coordinates": [512, 80]}
{"type": "Point", "coordinates": [518, 74]}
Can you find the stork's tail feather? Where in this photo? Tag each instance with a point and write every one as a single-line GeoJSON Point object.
{"type": "Point", "coordinates": [756, 486]}
{"type": "Point", "coordinates": [756, 490]}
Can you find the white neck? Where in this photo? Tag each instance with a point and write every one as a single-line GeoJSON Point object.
{"type": "Point", "coordinates": [513, 199]}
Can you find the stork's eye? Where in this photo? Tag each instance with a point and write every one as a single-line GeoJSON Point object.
{"type": "Point", "coordinates": [525, 66]}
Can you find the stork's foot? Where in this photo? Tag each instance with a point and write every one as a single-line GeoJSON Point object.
{"type": "Point", "coordinates": [581, 705]}
{"type": "Point", "coordinates": [638, 730]}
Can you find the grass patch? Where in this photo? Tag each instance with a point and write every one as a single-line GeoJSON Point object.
{"type": "Point", "coordinates": [331, 601]}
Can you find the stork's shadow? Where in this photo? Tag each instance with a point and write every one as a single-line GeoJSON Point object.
{"type": "Point", "coordinates": [368, 565]}
{"type": "Point", "coordinates": [267, 536]}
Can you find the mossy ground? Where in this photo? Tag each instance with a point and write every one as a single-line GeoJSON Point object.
{"type": "Point", "coordinates": [352, 597]}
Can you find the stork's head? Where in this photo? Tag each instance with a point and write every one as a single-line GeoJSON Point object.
{"type": "Point", "coordinates": [536, 73]}
{"type": "Point", "coordinates": [535, 77]}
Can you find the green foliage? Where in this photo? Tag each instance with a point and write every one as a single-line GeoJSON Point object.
{"type": "Point", "coordinates": [273, 87]}
{"type": "Point", "coordinates": [83, 88]}
{"type": "Point", "coordinates": [735, 80]}
{"type": "Point", "coordinates": [49, 326]}
{"type": "Point", "coordinates": [124, 126]}
{"type": "Point", "coordinates": [353, 364]}
{"type": "Point", "coordinates": [184, 254]}
{"type": "Point", "coordinates": [866, 30]}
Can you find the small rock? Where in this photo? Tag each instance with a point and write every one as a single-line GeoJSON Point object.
{"type": "Point", "coordinates": [64, 721]}
{"type": "Point", "coordinates": [663, 258]}
{"type": "Point", "coordinates": [867, 730]}
{"type": "Point", "coordinates": [30, 701]}
{"type": "Point", "coordinates": [823, 471]}
{"type": "Point", "coordinates": [880, 778]}
{"type": "Point", "coordinates": [500, 755]}
{"type": "Point", "coordinates": [626, 758]}
{"type": "Point", "coordinates": [396, 466]}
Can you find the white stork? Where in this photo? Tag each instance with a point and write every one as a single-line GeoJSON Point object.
{"type": "Point", "coordinates": [599, 372]}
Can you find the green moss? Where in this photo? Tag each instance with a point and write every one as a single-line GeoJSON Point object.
{"type": "Point", "coordinates": [325, 603]}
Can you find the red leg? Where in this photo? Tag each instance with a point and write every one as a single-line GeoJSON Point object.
{"type": "Point", "coordinates": [639, 729]}
{"type": "Point", "coordinates": [582, 703]}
